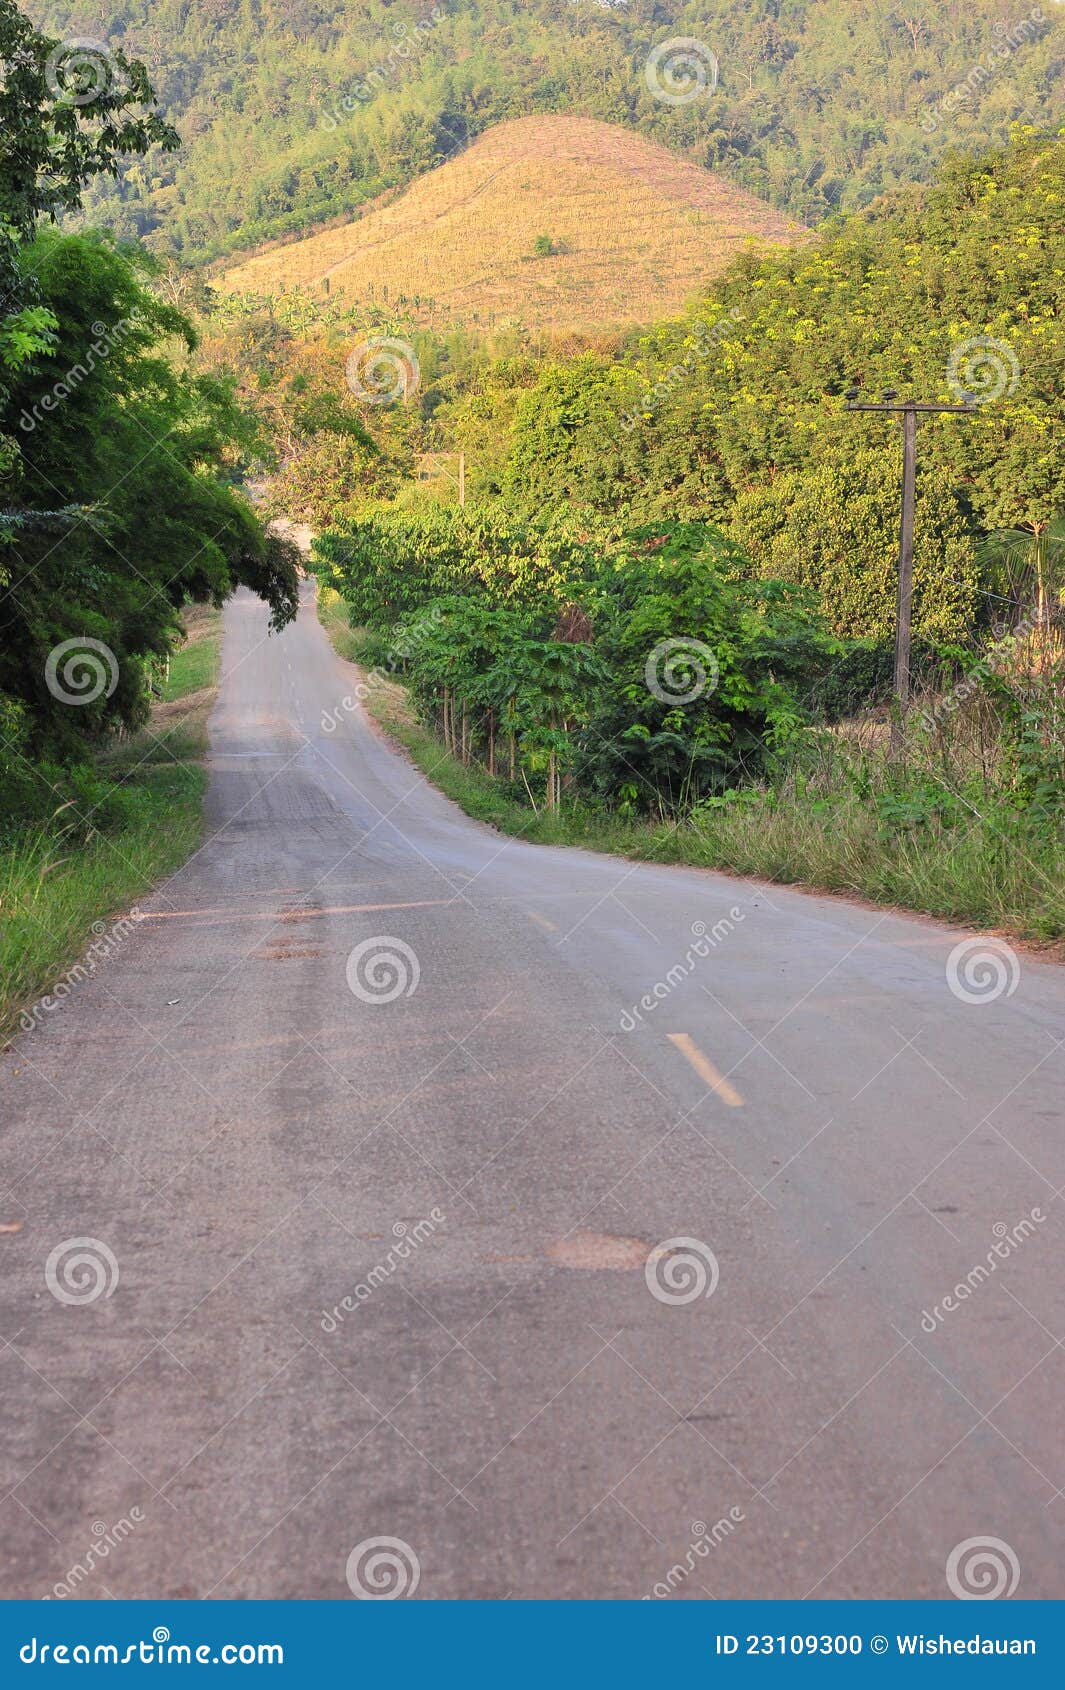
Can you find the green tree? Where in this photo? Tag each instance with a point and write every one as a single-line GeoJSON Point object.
{"type": "Point", "coordinates": [57, 132]}
{"type": "Point", "coordinates": [132, 450]}
{"type": "Point", "coordinates": [704, 671]}
{"type": "Point", "coordinates": [834, 528]}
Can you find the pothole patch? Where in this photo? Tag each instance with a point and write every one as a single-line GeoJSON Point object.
{"type": "Point", "coordinates": [599, 1252]}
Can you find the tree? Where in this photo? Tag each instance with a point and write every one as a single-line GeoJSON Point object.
{"type": "Point", "coordinates": [62, 123]}
{"type": "Point", "coordinates": [129, 511]}
{"type": "Point", "coordinates": [1026, 571]}
{"type": "Point", "coordinates": [117, 461]}
{"type": "Point", "coordinates": [702, 670]}
{"type": "Point", "coordinates": [834, 529]}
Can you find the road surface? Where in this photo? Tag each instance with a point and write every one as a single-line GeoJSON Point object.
{"type": "Point", "coordinates": [382, 1130]}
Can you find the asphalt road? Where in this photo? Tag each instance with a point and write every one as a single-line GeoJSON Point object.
{"type": "Point", "coordinates": [519, 1390]}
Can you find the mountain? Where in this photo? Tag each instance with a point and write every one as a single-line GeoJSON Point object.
{"type": "Point", "coordinates": [296, 111]}
{"type": "Point", "coordinates": [544, 220]}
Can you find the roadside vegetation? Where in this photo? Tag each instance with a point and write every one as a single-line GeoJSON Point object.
{"type": "Point", "coordinates": [664, 622]}
{"type": "Point", "coordinates": [119, 514]}
{"type": "Point", "coordinates": [136, 817]}
{"type": "Point", "coordinates": [774, 769]}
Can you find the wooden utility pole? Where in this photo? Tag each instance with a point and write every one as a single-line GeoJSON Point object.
{"type": "Point", "coordinates": [908, 410]}
{"type": "Point", "coordinates": [904, 607]}
{"type": "Point", "coordinates": [435, 457]}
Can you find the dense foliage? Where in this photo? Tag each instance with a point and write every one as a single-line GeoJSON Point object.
{"type": "Point", "coordinates": [699, 497]}
{"type": "Point", "coordinates": [292, 111]}
{"type": "Point", "coordinates": [129, 445]}
{"type": "Point", "coordinates": [579, 649]}
{"type": "Point", "coordinates": [119, 461]}
{"type": "Point", "coordinates": [387, 562]}
{"type": "Point", "coordinates": [324, 448]}
{"type": "Point", "coordinates": [53, 140]}
{"type": "Point", "coordinates": [737, 414]}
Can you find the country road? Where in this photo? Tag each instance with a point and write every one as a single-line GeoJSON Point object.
{"type": "Point", "coordinates": [480, 1144]}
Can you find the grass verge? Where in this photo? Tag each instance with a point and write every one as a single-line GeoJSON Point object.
{"type": "Point", "coordinates": [62, 883]}
{"type": "Point", "coordinates": [996, 870]}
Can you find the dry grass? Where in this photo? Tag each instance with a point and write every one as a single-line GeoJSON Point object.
{"type": "Point", "coordinates": [637, 232]}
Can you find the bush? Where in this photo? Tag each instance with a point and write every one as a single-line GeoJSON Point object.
{"type": "Point", "coordinates": [704, 673]}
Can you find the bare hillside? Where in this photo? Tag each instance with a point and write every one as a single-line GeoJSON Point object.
{"type": "Point", "coordinates": [547, 220]}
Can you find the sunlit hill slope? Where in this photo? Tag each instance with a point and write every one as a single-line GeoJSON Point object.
{"type": "Point", "coordinates": [545, 220]}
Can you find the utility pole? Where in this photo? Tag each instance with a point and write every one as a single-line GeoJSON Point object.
{"type": "Point", "coordinates": [908, 410]}
{"type": "Point", "coordinates": [460, 478]}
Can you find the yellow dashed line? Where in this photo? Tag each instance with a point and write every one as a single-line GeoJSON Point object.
{"type": "Point", "coordinates": [706, 1070]}
{"type": "Point", "coordinates": [212, 918]}
{"type": "Point", "coordinates": [541, 921]}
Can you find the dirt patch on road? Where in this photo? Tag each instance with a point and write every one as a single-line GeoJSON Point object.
{"type": "Point", "coordinates": [285, 951]}
{"type": "Point", "coordinates": [599, 1252]}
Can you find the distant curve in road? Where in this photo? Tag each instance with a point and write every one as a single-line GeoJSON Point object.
{"type": "Point", "coordinates": [385, 1245]}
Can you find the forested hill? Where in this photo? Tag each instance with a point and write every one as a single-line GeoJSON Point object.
{"type": "Point", "coordinates": [294, 111]}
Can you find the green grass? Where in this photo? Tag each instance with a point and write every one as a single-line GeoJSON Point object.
{"type": "Point", "coordinates": [195, 664]}
{"type": "Point", "coordinates": [998, 869]}
{"type": "Point", "coordinates": [62, 885]}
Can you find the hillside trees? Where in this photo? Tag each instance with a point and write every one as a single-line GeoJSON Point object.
{"type": "Point", "coordinates": [735, 414]}
{"type": "Point", "coordinates": [817, 107]}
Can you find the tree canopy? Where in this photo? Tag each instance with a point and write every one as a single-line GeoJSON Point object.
{"type": "Point", "coordinates": [293, 111]}
{"type": "Point", "coordinates": [118, 460]}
